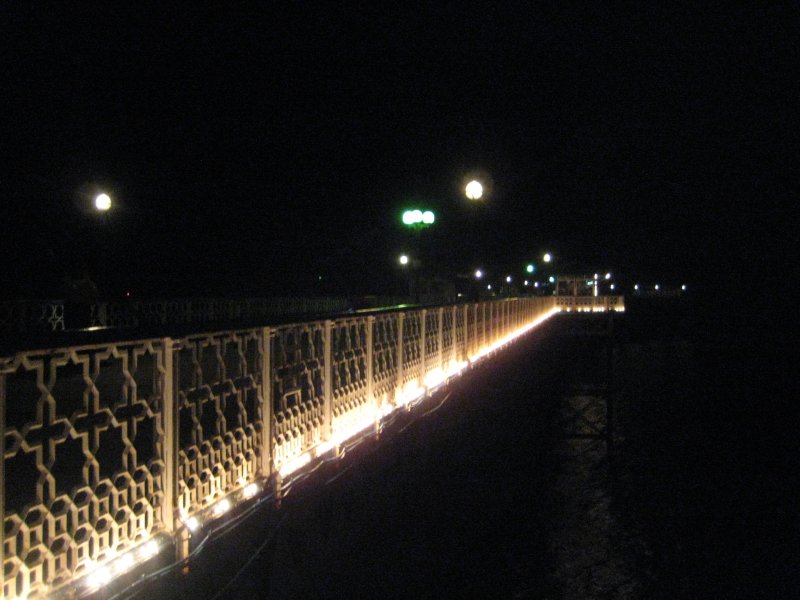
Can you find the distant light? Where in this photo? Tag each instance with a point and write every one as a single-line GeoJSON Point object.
{"type": "Point", "coordinates": [416, 217]}
{"type": "Point", "coordinates": [222, 507]}
{"type": "Point", "coordinates": [508, 278]}
{"type": "Point", "coordinates": [125, 563]}
{"type": "Point", "coordinates": [683, 287]}
{"type": "Point", "coordinates": [478, 274]}
{"type": "Point", "coordinates": [535, 284]}
{"type": "Point", "coordinates": [412, 216]}
{"type": "Point", "coordinates": [488, 287]}
{"type": "Point", "coordinates": [636, 287]}
{"type": "Point", "coordinates": [474, 190]}
{"type": "Point", "coordinates": [547, 257]}
{"type": "Point", "coordinates": [250, 490]}
{"type": "Point", "coordinates": [612, 286]}
{"type": "Point", "coordinates": [527, 282]}
{"type": "Point", "coordinates": [608, 276]}
{"type": "Point", "coordinates": [192, 523]}
{"type": "Point", "coordinates": [656, 286]}
{"type": "Point", "coordinates": [403, 259]}
{"type": "Point", "coordinates": [530, 268]}
{"type": "Point", "coordinates": [319, 278]}
{"type": "Point", "coordinates": [595, 275]}
{"type": "Point", "coordinates": [552, 279]}
{"type": "Point", "coordinates": [102, 202]}
{"type": "Point", "coordinates": [99, 577]}
{"type": "Point", "coordinates": [149, 550]}
{"type": "Point", "coordinates": [590, 282]}
{"type": "Point", "coordinates": [127, 294]}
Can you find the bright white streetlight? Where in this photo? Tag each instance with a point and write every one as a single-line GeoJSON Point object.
{"type": "Point", "coordinates": [102, 202]}
{"type": "Point", "coordinates": [551, 279]}
{"type": "Point", "coordinates": [474, 190]}
{"type": "Point", "coordinates": [508, 278]}
{"type": "Point", "coordinates": [478, 274]}
{"type": "Point", "coordinates": [403, 259]}
{"type": "Point", "coordinates": [527, 282]}
{"type": "Point", "coordinates": [608, 276]}
{"type": "Point", "coordinates": [683, 287]}
{"type": "Point", "coordinates": [547, 257]}
{"type": "Point", "coordinates": [530, 268]}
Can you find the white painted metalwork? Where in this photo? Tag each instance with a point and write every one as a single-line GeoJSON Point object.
{"type": "Point", "coordinates": [108, 446]}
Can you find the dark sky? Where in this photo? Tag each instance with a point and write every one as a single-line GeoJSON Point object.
{"type": "Point", "coordinates": [249, 151]}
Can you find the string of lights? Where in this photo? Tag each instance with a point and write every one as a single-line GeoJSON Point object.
{"type": "Point", "coordinates": [227, 526]}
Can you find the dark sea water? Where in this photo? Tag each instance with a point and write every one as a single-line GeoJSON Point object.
{"type": "Point", "coordinates": [482, 491]}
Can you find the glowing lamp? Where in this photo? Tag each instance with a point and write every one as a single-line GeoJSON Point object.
{"type": "Point", "coordinates": [192, 524]}
{"type": "Point", "coordinates": [474, 190]}
{"type": "Point", "coordinates": [102, 202]}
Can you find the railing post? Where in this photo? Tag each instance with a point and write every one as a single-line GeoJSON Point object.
{"type": "Point", "coordinates": [171, 441]}
{"type": "Point", "coordinates": [400, 318]}
{"type": "Point", "coordinates": [2, 480]}
{"type": "Point", "coordinates": [475, 344]}
{"type": "Point", "coordinates": [170, 436]}
{"type": "Point", "coordinates": [440, 336]}
{"type": "Point", "coordinates": [371, 370]}
{"type": "Point", "coordinates": [488, 329]}
{"type": "Point", "coordinates": [327, 432]}
{"type": "Point", "coordinates": [487, 323]}
{"type": "Point", "coordinates": [424, 322]}
{"type": "Point", "coordinates": [466, 333]}
{"type": "Point", "coordinates": [454, 335]}
{"type": "Point", "coordinates": [266, 400]}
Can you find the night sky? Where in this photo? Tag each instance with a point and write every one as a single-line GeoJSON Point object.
{"type": "Point", "coordinates": [248, 152]}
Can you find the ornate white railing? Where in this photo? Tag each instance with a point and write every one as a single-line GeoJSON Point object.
{"type": "Point", "coordinates": [54, 315]}
{"type": "Point", "coordinates": [111, 447]}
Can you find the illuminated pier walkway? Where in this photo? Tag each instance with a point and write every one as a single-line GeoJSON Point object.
{"type": "Point", "coordinates": [117, 453]}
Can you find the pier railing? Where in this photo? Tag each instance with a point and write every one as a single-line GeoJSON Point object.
{"type": "Point", "coordinates": [114, 450]}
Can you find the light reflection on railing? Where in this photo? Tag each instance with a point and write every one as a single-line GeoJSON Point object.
{"type": "Point", "coordinates": [207, 422]}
